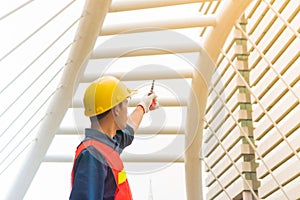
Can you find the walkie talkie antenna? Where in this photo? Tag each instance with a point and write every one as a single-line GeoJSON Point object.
{"type": "Point", "coordinates": [152, 86]}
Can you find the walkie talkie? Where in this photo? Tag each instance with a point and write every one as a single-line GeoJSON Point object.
{"type": "Point", "coordinates": [153, 104]}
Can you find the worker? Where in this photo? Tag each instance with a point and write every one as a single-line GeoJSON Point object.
{"type": "Point", "coordinates": [98, 172]}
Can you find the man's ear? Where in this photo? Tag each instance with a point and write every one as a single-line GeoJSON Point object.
{"type": "Point", "coordinates": [116, 110]}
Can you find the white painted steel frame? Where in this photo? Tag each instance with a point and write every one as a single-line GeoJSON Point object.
{"type": "Point", "coordinates": [133, 45]}
{"type": "Point", "coordinates": [169, 130]}
{"type": "Point", "coordinates": [139, 75]}
{"type": "Point", "coordinates": [123, 5]}
{"type": "Point", "coordinates": [89, 27]}
{"type": "Point", "coordinates": [126, 157]}
{"type": "Point", "coordinates": [88, 31]}
{"type": "Point", "coordinates": [264, 57]}
{"type": "Point", "coordinates": [166, 23]}
{"type": "Point", "coordinates": [229, 157]}
{"type": "Point", "coordinates": [258, 154]}
{"type": "Point", "coordinates": [163, 102]}
{"type": "Point", "coordinates": [231, 11]}
{"type": "Point", "coordinates": [286, 85]}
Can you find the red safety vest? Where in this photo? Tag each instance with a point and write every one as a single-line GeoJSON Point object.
{"type": "Point", "coordinates": [116, 164]}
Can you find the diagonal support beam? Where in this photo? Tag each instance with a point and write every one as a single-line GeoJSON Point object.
{"type": "Point", "coordinates": [92, 20]}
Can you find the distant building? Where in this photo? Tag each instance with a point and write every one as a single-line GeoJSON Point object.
{"type": "Point", "coordinates": [251, 141]}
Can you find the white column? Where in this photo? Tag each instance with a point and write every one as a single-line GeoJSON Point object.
{"type": "Point", "coordinates": [93, 16]}
{"type": "Point", "coordinates": [226, 18]}
{"type": "Point", "coordinates": [194, 126]}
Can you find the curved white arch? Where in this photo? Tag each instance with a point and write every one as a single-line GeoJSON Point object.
{"type": "Point", "coordinates": [232, 10]}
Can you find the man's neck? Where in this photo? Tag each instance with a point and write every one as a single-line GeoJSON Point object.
{"type": "Point", "coordinates": [105, 126]}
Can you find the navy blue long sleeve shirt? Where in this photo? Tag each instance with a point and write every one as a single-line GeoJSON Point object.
{"type": "Point", "coordinates": [93, 178]}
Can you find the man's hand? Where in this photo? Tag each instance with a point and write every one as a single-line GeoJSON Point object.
{"type": "Point", "coordinates": [149, 102]}
{"type": "Point", "coordinates": [144, 106]}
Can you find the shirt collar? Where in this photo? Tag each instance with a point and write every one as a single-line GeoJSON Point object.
{"type": "Point", "coordinates": [97, 135]}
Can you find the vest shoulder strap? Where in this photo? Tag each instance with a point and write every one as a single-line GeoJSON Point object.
{"type": "Point", "coordinates": [110, 155]}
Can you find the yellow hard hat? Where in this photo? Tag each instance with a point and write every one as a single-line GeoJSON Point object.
{"type": "Point", "coordinates": [104, 94]}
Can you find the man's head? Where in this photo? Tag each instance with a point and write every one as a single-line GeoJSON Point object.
{"type": "Point", "coordinates": [107, 95]}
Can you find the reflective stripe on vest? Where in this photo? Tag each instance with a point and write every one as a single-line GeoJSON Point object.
{"type": "Point", "coordinates": [116, 164]}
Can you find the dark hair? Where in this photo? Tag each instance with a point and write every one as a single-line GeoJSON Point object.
{"type": "Point", "coordinates": [100, 116]}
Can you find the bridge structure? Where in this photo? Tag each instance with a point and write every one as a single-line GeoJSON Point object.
{"type": "Point", "coordinates": [227, 79]}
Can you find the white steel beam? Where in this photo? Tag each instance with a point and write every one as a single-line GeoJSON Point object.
{"type": "Point", "coordinates": [126, 5]}
{"type": "Point", "coordinates": [170, 130]}
{"type": "Point", "coordinates": [194, 126]}
{"type": "Point", "coordinates": [165, 130]}
{"type": "Point", "coordinates": [146, 43]}
{"type": "Point", "coordinates": [136, 75]}
{"type": "Point", "coordinates": [92, 20]}
{"type": "Point", "coordinates": [126, 157]}
{"type": "Point", "coordinates": [164, 23]}
{"type": "Point", "coordinates": [163, 101]}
